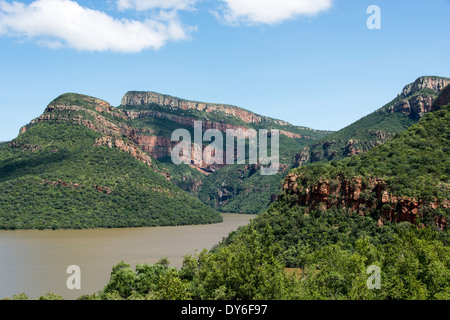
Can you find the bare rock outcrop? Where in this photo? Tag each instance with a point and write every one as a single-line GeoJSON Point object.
{"type": "Point", "coordinates": [361, 195]}
{"type": "Point", "coordinates": [426, 82]}
{"type": "Point", "coordinates": [416, 105]}
{"type": "Point", "coordinates": [135, 98]}
{"type": "Point", "coordinates": [126, 146]}
{"type": "Point", "coordinates": [443, 99]}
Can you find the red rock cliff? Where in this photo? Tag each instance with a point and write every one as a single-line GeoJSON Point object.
{"type": "Point", "coordinates": [359, 195]}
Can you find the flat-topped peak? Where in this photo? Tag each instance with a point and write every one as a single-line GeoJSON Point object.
{"type": "Point", "coordinates": [147, 96]}
{"type": "Point", "coordinates": [143, 98]}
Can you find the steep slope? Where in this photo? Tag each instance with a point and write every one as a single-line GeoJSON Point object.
{"type": "Point", "coordinates": [443, 99]}
{"type": "Point", "coordinates": [415, 100]}
{"type": "Point", "coordinates": [75, 167]}
{"type": "Point", "coordinates": [228, 188]}
{"type": "Point", "coordinates": [387, 208]}
{"type": "Point", "coordinates": [405, 179]}
{"type": "Point", "coordinates": [159, 115]}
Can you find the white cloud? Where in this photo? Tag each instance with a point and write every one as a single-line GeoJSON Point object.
{"type": "Point", "coordinates": [57, 23]}
{"type": "Point", "coordinates": [270, 11]}
{"type": "Point", "coordinates": [143, 5]}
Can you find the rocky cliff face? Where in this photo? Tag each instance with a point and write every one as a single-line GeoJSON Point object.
{"type": "Point", "coordinates": [160, 147]}
{"type": "Point", "coordinates": [99, 116]}
{"type": "Point", "coordinates": [360, 195]}
{"type": "Point", "coordinates": [180, 119]}
{"type": "Point", "coordinates": [117, 132]}
{"type": "Point", "coordinates": [135, 98]}
{"type": "Point", "coordinates": [94, 118]}
{"type": "Point", "coordinates": [126, 146]}
{"type": "Point", "coordinates": [302, 157]}
{"type": "Point", "coordinates": [443, 99]}
{"type": "Point", "coordinates": [427, 82]}
{"type": "Point", "coordinates": [414, 104]}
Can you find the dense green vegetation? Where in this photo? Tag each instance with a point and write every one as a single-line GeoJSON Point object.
{"type": "Point", "coordinates": [289, 252]}
{"type": "Point", "coordinates": [240, 189]}
{"type": "Point", "coordinates": [55, 177]}
{"type": "Point", "coordinates": [182, 175]}
{"type": "Point", "coordinates": [331, 261]}
{"type": "Point", "coordinates": [415, 163]}
{"type": "Point", "coordinates": [250, 265]}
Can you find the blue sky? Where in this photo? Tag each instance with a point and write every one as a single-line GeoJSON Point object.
{"type": "Point", "coordinates": [312, 63]}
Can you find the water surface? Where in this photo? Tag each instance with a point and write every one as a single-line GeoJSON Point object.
{"type": "Point", "coordinates": [35, 262]}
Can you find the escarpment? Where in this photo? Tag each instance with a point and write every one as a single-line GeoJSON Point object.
{"type": "Point", "coordinates": [135, 98]}
{"type": "Point", "coordinates": [227, 116]}
{"type": "Point", "coordinates": [120, 127]}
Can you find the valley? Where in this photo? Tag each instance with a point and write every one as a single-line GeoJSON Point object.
{"type": "Point", "coordinates": [85, 164]}
{"type": "Point", "coordinates": [375, 193]}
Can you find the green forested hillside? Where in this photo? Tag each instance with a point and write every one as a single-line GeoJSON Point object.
{"type": "Point", "coordinates": [328, 263]}
{"type": "Point", "coordinates": [332, 248]}
{"type": "Point", "coordinates": [52, 176]}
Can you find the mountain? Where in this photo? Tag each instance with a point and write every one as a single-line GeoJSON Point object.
{"type": "Point", "coordinates": [85, 164]}
{"type": "Point", "coordinates": [415, 100]}
{"type": "Point", "coordinates": [235, 188]}
{"type": "Point", "coordinates": [91, 159]}
{"type": "Point", "coordinates": [238, 189]}
{"type": "Point", "coordinates": [77, 166]}
{"type": "Point", "coordinates": [405, 179]}
{"type": "Point", "coordinates": [373, 196]}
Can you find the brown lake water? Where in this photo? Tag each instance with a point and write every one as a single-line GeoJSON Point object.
{"type": "Point", "coordinates": [35, 262]}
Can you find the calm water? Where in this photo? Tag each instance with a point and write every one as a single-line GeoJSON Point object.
{"type": "Point", "coordinates": [35, 262]}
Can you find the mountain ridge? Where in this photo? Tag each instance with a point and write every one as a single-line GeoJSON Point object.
{"type": "Point", "coordinates": [117, 130]}
{"type": "Point", "coordinates": [142, 128]}
{"type": "Point", "coordinates": [76, 166]}
{"type": "Point", "coordinates": [142, 98]}
{"type": "Point", "coordinates": [405, 179]}
{"type": "Point", "coordinates": [415, 100]}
